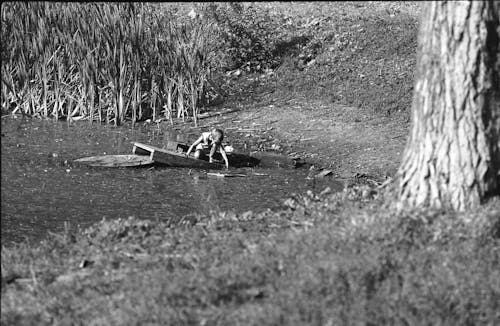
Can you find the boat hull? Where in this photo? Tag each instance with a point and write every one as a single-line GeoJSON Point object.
{"type": "Point", "coordinates": [175, 155]}
{"type": "Point", "coordinates": [172, 158]}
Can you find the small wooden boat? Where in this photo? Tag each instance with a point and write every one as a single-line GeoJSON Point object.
{"type": "Point", "coordinates": [116, 161]}
{"type": "Point", "coordinates": [175, 155]}
{"type": "Point", "coordinates": [173, 158]}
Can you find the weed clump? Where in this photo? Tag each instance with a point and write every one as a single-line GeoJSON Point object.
{"type": "Point", "coordinates": [103, 61]}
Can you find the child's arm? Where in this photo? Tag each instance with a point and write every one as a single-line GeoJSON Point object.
{"type": "Point", "coordinates": [214, 149]}
{"type": "Point", "coordinates": [224, 156]}
{"type": "Point", "coordinates": [199, 140]}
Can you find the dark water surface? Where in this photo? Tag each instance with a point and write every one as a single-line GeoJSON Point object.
{"type": "Point", "coordinates": [41, 189]}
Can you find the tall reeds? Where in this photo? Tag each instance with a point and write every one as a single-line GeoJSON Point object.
{"type": "Point", "coordinates": [107, 62]}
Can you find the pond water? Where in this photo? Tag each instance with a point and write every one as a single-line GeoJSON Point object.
{"type": "Point", "coordinates": [41, 189]}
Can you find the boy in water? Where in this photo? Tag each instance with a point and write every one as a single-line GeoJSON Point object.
{"type": "Point", "coordinates": [209, 140]}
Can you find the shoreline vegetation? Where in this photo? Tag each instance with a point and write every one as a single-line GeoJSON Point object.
{"type": "Point", "coordinates": [112, 63]}
{"type": "Point", "coordinates": [103, 61]}
{"type": "Point", "coordinates": [323, 259]}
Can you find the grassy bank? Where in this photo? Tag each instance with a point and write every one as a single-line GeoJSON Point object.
{"type": "Point", "coordinates": [320, 261]}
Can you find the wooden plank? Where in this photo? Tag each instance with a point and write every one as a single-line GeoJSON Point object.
{"type": "Point", "coordinates": [225, 175]}
{"type": "Point", "coordinates": [116, 161]}
{"type": "Point", "coordinates": [142, 149]}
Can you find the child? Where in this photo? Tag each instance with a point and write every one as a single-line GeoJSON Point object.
{"type": "Point", "coordinates": [209, 140]}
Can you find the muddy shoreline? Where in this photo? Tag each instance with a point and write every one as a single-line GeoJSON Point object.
{"type": "Point", "coordinates": [346, 140]}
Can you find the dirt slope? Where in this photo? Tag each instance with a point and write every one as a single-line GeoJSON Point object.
{"type": "Point", "coordinates": [340, 97]}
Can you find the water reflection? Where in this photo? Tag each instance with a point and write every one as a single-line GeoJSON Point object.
{"type": "Point", "coordinates": [206, 197]}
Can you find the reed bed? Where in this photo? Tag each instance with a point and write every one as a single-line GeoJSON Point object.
{"type": "Point", "coordinates": [106, 62]}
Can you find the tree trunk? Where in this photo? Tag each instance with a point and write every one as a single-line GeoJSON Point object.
{"type": "Point", "coordinates": [452, 158]}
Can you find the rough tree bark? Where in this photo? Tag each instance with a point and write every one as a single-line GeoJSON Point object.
{"type": "Point", "coordinates": [452, 158]}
